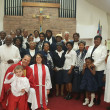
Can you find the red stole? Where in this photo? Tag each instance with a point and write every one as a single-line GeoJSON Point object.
{"type": "Point", "coordinates": [43, 87]}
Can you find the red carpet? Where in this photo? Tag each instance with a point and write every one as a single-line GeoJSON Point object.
{"type": "Point", "coordinates": [59, 103]}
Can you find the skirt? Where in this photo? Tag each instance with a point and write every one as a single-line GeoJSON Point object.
{"type": "Point", "coordinates": [59, 77]}
{"type": "Point", "coordinates": [67, 77]}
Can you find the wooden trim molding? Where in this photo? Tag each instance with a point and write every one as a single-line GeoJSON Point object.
{"type": "Point", "coordinates": [37, 4]}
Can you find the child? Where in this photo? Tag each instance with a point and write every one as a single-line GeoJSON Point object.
{"type": "Point", "coordinates": [88, 82]}
{"type": "Point", "coordinates": [19, 86]}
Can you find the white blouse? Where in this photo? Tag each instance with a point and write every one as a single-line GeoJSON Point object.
{"type": "Point", "coordinates": [70, 60]}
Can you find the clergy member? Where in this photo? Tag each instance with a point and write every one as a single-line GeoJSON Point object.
{"type": "Point", "coordinates": [9, 54]}
{"type": "Point", "coordinates": [42, 81]}
{"type": "Point", "coordinates": [107, 84]}
{"type": "Point", "coordinates": [28, 73]}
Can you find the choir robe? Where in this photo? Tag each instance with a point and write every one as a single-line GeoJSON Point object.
{"type": "Point", "coordinates": [7, 53]}
{"type": "Point", "coordinates": [107, 84]}
{"type": "Point", "coordinates": [48, 84]}
{"type": "Point", "coordinates": [5, 88]}
{"type": "Point", "coordinates": [16, 96]}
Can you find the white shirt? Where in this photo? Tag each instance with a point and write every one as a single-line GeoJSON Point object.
{"type": "Point", "coordinates": [70, 60]}
{"type": "Point", "coordinates": [50, 40]}
{"type": "Point", "coordinates": [60, 53]}
{"type": "Point", "coordinates": [75, 46]}
{"type": "Point", "coordinates": [32, 52]}
{"type": "Point", "coordinates": [17, 84]}
{"type": "Point", "coordinates": [36, 39]}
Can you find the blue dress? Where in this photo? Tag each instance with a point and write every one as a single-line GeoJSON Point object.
{"type": "Point", "coordinates": [89, 82]}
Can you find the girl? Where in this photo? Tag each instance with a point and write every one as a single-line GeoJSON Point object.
{"type": "Point", "coordinates": [88, 82]}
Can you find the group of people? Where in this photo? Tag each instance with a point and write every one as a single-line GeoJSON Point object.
{"type": "Point", "coordinates": [32, 64]}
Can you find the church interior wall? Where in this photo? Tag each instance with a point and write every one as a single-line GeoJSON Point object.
{"type": "Point", "coordinates": [87, 19]}
{"type": "Point", "coordinates": [56, 24]}
{"type": "Point", "coordinates": [1, 14]}
{"type": "Point", "coordinates": [108, 15]}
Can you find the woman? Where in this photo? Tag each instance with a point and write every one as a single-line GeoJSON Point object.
{"type": "Point", "coordinates": [36, 36]}
{"type": "Point", "coordinates": [81, 52]}
{"type": "Point", "coordinates": [48, 60]}
{"type": "Point", "coordinates": [31, 51]}
{"type": "Point", "coordinates": [42, 81]}
{"type": "Point", "coordinates": [29, 39]}
{"type": "Point", "coordinates": [58, 59]}
{"type": "Point", "coordinates": [40, 44]}
{"type": "Point", "coordinates": [18, 43]}
{"type": "Point", "coordinates": [76, 37]}
{"type": "Point", "coordinates": [70, 59]}
{"type": "Point", "coordinates": [99, 53]}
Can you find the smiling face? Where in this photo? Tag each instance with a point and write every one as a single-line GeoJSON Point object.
{"type": "Point", "coordinates": [26, 61]}
{"type": "Point", "coordinates": [81, 46]}
{"type": "Point", "coordinates": [38, 59]}
{"type": "Point", "coordinates": [97, 41]}
{"type": "Point", "coordinates": [19, 72]}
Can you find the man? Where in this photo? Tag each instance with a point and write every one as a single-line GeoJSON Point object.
{"type": "Point", "coordinates": [29, 74]}
{"type": "Point", "coordinates": [99, 53]}
{"type": "Point", "coordinates": [9, 54]}
{"type": "Point", "coordinates": [2, 39]}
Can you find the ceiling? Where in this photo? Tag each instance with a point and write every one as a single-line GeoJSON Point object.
{"type": "Point", "coordinates": [103, 4]}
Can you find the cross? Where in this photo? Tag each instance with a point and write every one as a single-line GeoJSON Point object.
{"type": "Point", "coordinates": [41, 17]}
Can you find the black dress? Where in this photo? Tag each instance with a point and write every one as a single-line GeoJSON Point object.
{"type": "Point", "coordinates": [58, 62]}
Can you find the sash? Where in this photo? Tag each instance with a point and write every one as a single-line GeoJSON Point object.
{"type": "Point", "coordinates": [43, 85]}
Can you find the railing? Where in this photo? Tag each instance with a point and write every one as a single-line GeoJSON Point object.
{"type": "Point", "coordinates": [44, 1]}
{"type": "Point", "coordinates": [13, 7]}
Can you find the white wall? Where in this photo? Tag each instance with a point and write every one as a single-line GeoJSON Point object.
{"type": "Point", "coordinates": [1, 14]}
{"type": "Point", "coordinates": [108, 26]}
{"type": "Point", "coordinates": [87, 20]}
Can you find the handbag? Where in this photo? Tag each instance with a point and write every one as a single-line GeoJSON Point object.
{"type": "Point", "coordinates": [76, 70]}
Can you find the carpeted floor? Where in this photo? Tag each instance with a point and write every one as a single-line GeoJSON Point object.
{"type": "Point", "coordinates": [59, 103]}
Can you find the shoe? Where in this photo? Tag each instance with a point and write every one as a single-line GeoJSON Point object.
{"type": "Point", "coordinates": [69, 97]}
{"type": "Point", "coordinates": [98, 101]}
{"type": "Point", "coordinates": [86, 101]}
{"type": "Point", "coordinates": [66, 96]}
{"type": "Point", "coordinates": [108, 108]}
{"type": "Point", "coordinates": [91, 104]}
{"type": "Point", "coordinates": [92, 100]}
{"type": "Point", "coordinates": [77, 98]}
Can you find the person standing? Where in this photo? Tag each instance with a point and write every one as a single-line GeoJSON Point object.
{"type": "Point", "coordinates": [9, 54]}
{"type": "Point", "coordinates": [70, 60]}
{"type": "Point", "coordinates": [107, 83]}
{"type": "Point", "coordinates": [42, 81]}
{"type": "Point", "coordinates": [99, 53]}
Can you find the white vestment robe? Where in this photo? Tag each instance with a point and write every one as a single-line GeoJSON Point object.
{"type": "Point", "coordinates": [7, 53]}
{"type": "Point", "coordinates": [48, 84]}
{"type": "Point", "coordinates": [107, 84]}
{"type": "Point", "coordinates": [17, 84]}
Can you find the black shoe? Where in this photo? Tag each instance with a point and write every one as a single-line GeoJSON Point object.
{"type": "Point", "coordinates": [66, 96]}
{"type": "Point", "coordinates": [69, 97]}
{"type": "Point", "coordinates": [108, 108]}
{"type": "Point", "coordinates": [78, 97]}
{"type": "Point", "coordinates": [98, 102]}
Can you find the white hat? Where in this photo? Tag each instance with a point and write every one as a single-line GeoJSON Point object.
{"type": "Point", "coordinates": [60, 35]}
